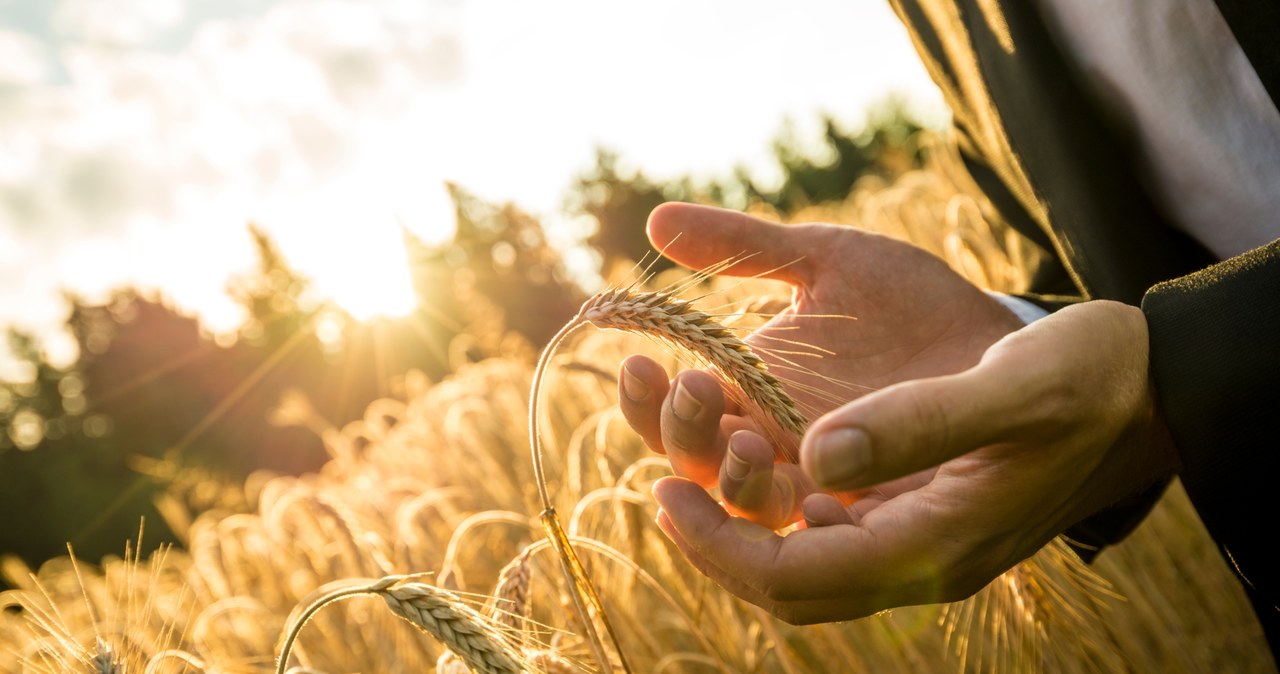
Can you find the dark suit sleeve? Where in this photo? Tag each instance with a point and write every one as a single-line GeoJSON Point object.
{"type": "Point", "coordinates": [1215, 360]}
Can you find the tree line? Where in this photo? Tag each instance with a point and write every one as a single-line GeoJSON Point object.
{"type": "Point", "coordinates": [156, 410]}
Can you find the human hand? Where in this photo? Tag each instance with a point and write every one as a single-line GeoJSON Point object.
{"type": "Point", "coordinates": [915, 318]}
{"type": "Point", "coordinates": [1056, 422]}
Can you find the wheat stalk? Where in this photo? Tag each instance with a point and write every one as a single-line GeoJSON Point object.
{"type": "Point", "coordinates": [550, 662]}
{"type": "Point", "coordinates": [674, 321]}
{"type": "Point", "coordinates": [464, 631]}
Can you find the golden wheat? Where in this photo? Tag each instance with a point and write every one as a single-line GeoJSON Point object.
{"type": "Point", "coordinates": [105, 660]}
{"type": "Point", "coordinates": [468, 634]}
{"type": "Point", "coordinates": [676, 322]}
{"type": "Point", "coordinates": [457, 625]}
{"type": "Point", "coordinates": [398, 496]}
{"type": "Point", "coordinates": [510, 600]}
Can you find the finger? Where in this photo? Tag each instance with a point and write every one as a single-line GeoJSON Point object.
{"type": "Point", "coordinates": [707, 567]}
{"type": "Point", "coordinates": [892, 558]}
{"type": "Point", "coordinates": [701, 236]}
{"type": "Point", "coordinates": [642, 387]}
{"type": "Point", "coordinates": [753, 487]}
{"type": "Point", "coordinates": [795, 612]}
{"type": "Point", "coordinates": [920, 424]}
{"type": "Point", "coordinates": [733, 421]}
{"type": "Point", "coordinates": [809, 564]}
{"type": "Point", "coordinates": [825, 510]}
{"type": "Point", "coordinates": [690, 423]}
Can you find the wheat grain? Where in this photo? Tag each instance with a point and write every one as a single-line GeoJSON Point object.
{"type": "Point", "coordinates": [457, 625]}
{"type": "Point", "coordinates": [511, 594]}
{"type": "Point", "coordinates": [463, 630]}
{"type": "Point", "coordinates": [1185, 610]}
{"type": "Point", "coordinates": [675, 321]}
{"type": "Point", "coordinates": [670, 319]}
{"type": "Point", "coordinates": [104, 658]}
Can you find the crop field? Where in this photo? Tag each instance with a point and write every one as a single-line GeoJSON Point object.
{"type": "Point", "coordinates": [418, 546]}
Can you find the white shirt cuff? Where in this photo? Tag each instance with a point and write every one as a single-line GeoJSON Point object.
{"type": "Point", "coordinates": [1026, 311]}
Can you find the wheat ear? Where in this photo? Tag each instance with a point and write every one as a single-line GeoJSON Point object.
{"type": "Point", "coordinates": [105, 660]}
{"type": "Point", "coordinates": [511, 594]}
{"type": "Point", "coordinates": [506, 607]}
{"type": "Point", "coordinates": [676, 322]}
{"type": "Point", "coordinates": [439, 612]}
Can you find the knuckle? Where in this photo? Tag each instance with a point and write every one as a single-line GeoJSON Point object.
{"type": "Point", "coordinates": [683, 436]}
{"type": "Point", "coordinates": [776, 592]}
{"type": "Point", "coordinates": [790, 614]}
{"type": "Point", "coordinates": [789, 588]}
{"type": "Point", "coordinates": [1058, 404]}
{"type": "Point", "coordinates": [928, 412]}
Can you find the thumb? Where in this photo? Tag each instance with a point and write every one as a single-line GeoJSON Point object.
{"type": "Point", "coordinates": [919, 424]}
{"type": "Point", "coordinates": [701, 236]}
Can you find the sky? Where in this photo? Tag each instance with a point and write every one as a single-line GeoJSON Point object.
{"type": "Point", "coordinates": [139, 137]}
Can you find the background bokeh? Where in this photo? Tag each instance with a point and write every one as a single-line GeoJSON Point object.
{"type": "Point", "coordinates": [210, 209]}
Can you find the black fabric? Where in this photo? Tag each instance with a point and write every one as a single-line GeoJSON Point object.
{"type": "Point", "coordinates": [1060, 173]}
{"type": "Point", "coordinates": [1117, 241]}
{"type": "Point", "coordinates": [1215, 355]}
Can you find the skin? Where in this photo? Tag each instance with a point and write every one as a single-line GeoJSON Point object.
{"type": "Point", "coordinates": [968, 443]}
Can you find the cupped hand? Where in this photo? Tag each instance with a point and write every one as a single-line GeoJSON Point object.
{"type": "Point", "coordinates": [1056, 422]}
{"type": "Point", "coordinates": [911, 317]}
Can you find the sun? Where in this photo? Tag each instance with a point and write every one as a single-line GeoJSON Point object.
{"type": "Point", "coordinates": [373, 284]}
{"type": "Point", "coordinates": [349, 240]}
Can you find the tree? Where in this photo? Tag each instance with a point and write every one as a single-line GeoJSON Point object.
{"type": "Point", "coordinates": [887, 145]}
{"type": "Point", "coordinates": [620, 205]}
{"type": "Point", "coordinates": [499, 259]}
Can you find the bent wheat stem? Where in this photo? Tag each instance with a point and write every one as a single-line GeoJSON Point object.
{"type": "Point", "coordinates": [676, 322]}
{"type": "Point", "coordinates": [579, 583]}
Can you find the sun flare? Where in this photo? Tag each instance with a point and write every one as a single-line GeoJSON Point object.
{"type": "Point", "coordinates": [349, 238]}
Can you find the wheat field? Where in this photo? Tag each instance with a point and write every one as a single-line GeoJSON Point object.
{"type": "Point", "coordinates": [418, 546]}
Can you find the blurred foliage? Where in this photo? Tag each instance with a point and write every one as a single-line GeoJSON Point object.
{"type": "Point", "coordinates": [500, 255]}
{"type": "Point", "coordinates": [620, 204]}
{"type": "Point", "coordinates": [619, 201]}
{"type": "Point", "coordinates": [88, 450]}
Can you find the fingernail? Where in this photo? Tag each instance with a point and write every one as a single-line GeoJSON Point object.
{"type": "Point", "coordinates": [684, 404]}
{"type": "Point", "coordinates": [840, 455]}
{"type": "Point", "coordinates": [663, 520]}
{"type": "Point", "coordinates": [632, 386]}
{"type": "Point", "coordinates": [736, 467]}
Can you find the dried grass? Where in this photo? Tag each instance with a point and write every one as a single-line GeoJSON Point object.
{"type": "Point", "coordinates": [445, 468]}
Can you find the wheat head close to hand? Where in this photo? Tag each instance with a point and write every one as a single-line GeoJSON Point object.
{"type": "Point", "coordinates": [676, 322]}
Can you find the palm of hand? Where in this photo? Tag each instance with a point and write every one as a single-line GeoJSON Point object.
{"type": "Point", "coordinates": [1005, 436]}
{"type": "Point", "coordinates": [912, 317]}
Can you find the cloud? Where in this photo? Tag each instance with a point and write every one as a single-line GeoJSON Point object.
{"type": "Point", "coordinates": [138, 148]}
{"type": "Point", "coordinates": [144, 128]}
{"type": "Point", "coordinates": [23, 60]}
{"type": "Point", "coordinates": [117, 22]}
{"type": "Point", "coordinates": [249, 105]}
